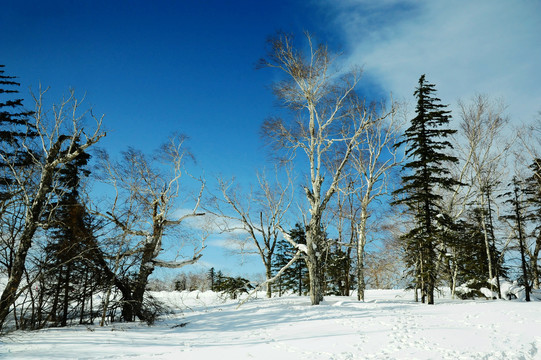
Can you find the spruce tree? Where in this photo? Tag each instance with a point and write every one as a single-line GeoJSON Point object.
{"type": "Point", "coordinates": [427, 172]}
{"type": "Point", "coordinates": [469, 243]}
{"type": "Point", "coordinates": [68, 253]}
{"type": "Point", "coordinates": [15, 130]}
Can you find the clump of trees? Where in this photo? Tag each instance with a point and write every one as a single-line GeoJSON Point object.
{"type": "Point", "coordinates": [61, 250]}
{"type": "Point", "coordinates": [36, 146]}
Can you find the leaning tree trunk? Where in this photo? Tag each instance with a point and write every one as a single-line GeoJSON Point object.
{"type": "Point", "coordinates": [33, 215]}
{"type": "Point", "coordinates": [151, 250]}
{"type": "Point", "coordinates": [8, 295]}
{"type": "Point", "coordinates": [145, 270]}
{"type": "Point", "coordinates": [32, 218]}
{"type": "Point", "coordinates": [96, 256]}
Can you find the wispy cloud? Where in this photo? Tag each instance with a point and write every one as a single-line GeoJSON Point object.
{"type": "Point", "coordinates": [234, 245]}
{"type": "Point", "coordinates": [464, 47]}
{"type": "Point", "coordinates": [210, 223]}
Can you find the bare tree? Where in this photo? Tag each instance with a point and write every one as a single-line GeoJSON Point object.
{"type": "Point", "coordinates": [260, 214]}
{"type": "Point", "coordinates": [530, 140]}
{"type": "Point", "coordinates": [384, 267]}
{"type": "Point", "coordinates": [143, 209]}
{"type": "Point", "coordinates": [373, 160]}
{"type": "Point", "coordinates": [482, 125]}
{"type": "Point", "coordinates": [322, 100]}
{"type": "Point", "coordinates": [61, 138]}
{"type": "Point", "coordinates": [366, 179]}
{"type": "Point", "coordinates": [529, 154]}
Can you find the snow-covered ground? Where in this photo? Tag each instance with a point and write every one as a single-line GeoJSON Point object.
{"type": "Point", "coordinates": [389, 325]}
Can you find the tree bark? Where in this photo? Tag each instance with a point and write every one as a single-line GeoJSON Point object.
{"type": "Point", "coordinates": [314, 256]}
{"type": "Point", "coordinates": [268, 274]}
{"type": "Point", "coordinates": [361, 243]}
{"type": "Point", "coordinates": [533, 262]}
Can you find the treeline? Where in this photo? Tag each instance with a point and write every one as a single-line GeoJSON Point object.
{"type": "Point", "coordinates": [434, 206]}
{"type": "Point", "coordinates": [361, 196]}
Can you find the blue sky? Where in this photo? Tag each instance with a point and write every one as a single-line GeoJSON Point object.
{"type": "Point", "coordinates": [157, 67]}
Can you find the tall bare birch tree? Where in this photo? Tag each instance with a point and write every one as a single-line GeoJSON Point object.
{"type": "Point", "coordinates": [321, 101]}
{"type": "Point", "coordinates": [60, 139]}
{"type": "Point", "coordinates": [373, 160]}
{"type": "Point", "coordinates": [482, 125]}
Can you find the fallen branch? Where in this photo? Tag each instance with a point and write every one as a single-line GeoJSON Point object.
{"type": "Point", "coordinates": [270, 281]}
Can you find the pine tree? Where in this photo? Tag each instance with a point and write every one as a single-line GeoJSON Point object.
{"type": "Point", "coordinates": [15, 130]}
{"type": "Point", "coordinates": [427, 173]}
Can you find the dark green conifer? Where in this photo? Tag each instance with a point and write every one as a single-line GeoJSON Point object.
{"type": "Point", "coordinates": [16, 133]}
{"type": "Point", "coordinates": [426, 173]}
{"type": "Point", "coordinates": [468, 240]}
{"type": "Point", "coordinates": [68, 252]}
{"type": "Point", "coordinates": [294, 278]}
{"type": "Point", "coordinates": [338, 270]}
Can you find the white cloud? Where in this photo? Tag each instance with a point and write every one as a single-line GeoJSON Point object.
{"type": "Point", "coordinates": [234, 245]}
{"type": "Point", "coordinates": [209, 222]}
{"type": "Point", "coordinates": [464, 47]}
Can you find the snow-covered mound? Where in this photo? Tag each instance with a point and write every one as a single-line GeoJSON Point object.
{"type": "Point", "coordinates": [389, 325]}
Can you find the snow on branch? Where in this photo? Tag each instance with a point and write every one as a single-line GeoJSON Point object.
{"type": "Point", "coordinates": [176, 264]}
{"type": "Point", "coordinates": [270, 281]}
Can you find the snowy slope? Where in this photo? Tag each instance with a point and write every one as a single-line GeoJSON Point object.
{"type": "Point", "coordinates": [388, 326]}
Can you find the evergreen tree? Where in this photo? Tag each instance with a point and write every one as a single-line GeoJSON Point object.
{"type": "Point", "coordinates": [67, 251]}
{"type": "Point", "coordinates": [232, 286]}
{"type": "Point", "coordinates": [283, 252]}
{"type": "Point", "coordinates": [15, 128]}
{"type": "Point", "coordinates": [472, 264]}
{"type": "Point", "coordinates": [294, 278]}
{"type": "Point", "coordinates": [211, 277]}
{"type": "Point", "coordinates": [427, 173]}
{"type": "Point", "coordinates": [338, 271]}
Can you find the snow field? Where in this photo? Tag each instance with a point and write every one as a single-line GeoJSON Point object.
{"type": "Point", "coordinates": [389, 325]}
